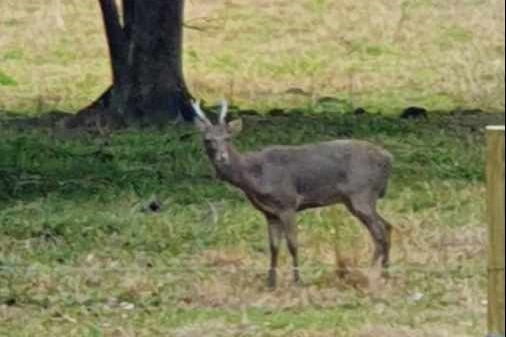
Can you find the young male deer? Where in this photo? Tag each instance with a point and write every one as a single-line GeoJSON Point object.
{"type": "Point", "coordinates": [283, 180]}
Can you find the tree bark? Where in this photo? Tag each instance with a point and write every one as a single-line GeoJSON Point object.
{"type": "Point", "coordinates": [157, 61]}
{"type": "Point", "coordinates": [145, 48]}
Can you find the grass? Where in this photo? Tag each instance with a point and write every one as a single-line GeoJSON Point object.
{"type": "Point", "coordinates": [79, 257]}
{"type": "Point", "coordinates": [380, 55]}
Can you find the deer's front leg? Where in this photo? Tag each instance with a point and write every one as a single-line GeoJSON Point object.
{"type": "Point", "coordinates": [275, 236]}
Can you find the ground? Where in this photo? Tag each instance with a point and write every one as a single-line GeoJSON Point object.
{"type": "Point", "coordinates": [82, 254]}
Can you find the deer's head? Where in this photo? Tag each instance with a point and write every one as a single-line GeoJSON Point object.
{"type": "Point", "coordinates": [217, 136]}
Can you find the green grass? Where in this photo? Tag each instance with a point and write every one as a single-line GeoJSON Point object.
{"type": "Point", "coordinates": [78, 257]}
{"type": "Point", "coordinates": [6, 80]}
{"type": "Point", "coordinates": [148, 162]}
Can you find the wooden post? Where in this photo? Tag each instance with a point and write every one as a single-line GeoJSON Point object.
{"type": "Point", "coordinates": [495, 215]}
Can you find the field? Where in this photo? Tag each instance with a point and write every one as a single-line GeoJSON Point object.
{"type": "Point", "coordinates": [81, 253]}
{"type": "Point", "coordinates": [382, 55]}
{"type": "Point", "coordinates": [79, 257]}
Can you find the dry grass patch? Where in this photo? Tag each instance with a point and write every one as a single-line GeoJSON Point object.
{"type": "Point", "coordinates": [409, 332]}
{"type": "Point", "coordinates": [382, 54]}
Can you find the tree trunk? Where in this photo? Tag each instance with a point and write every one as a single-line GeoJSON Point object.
{"type": "Point", "coordinates": [145, 48]}
{"type": "Point", "coordinates": [157, 43]}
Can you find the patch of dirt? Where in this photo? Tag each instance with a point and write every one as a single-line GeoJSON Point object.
{"type": "Point", "coordinates": [47, 120]}
{"type": "Point", "coordinates": [96, 119]}
{"type": "Point", "coordinates": [217, 329]}
{"type": "Point", "coordinates": [406, 332]}
{"type": "Point", "coordinates": [470, 120]}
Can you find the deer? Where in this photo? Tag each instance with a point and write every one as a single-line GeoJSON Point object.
{"type": "Point", "coordinates": [281, 181]}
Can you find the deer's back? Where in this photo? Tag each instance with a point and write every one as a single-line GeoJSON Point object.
{"type": "Point", "coordinates": [320, 174]}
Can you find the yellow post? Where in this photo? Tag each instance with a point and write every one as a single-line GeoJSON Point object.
{"type": "Point", "coordinates": [495, 215]}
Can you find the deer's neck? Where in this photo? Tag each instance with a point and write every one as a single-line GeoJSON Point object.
{"type": "Point", "coordinates": [234, 170]}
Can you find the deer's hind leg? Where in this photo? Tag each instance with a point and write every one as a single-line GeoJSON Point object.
{"type": "Point", "coordinates": [389, 229]}
{"type": "Point", "coordinates": [364, 208]}
{"type": "Point", "coordinates": [292, 239]}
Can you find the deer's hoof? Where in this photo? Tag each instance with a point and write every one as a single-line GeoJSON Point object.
{"type": "Point", "coordinates": [385, 274]}
{"type": "Point", "coordinates": [299, 283]}
{"type": "Point", "coordinates": [272, 280]}
{"type": "Point", "coordinates": [297, 280]}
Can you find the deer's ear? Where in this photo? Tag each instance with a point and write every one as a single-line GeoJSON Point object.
{"type": "Point", "coordinates": [200, 124]}
{"type": "Point", "coordinates": [235, 127]}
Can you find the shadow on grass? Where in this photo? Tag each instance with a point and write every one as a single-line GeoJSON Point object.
{"type": "Point", "coordinates": [40, 159]}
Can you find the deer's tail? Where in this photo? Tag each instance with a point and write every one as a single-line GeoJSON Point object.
{"type": "Point", "coordinates": [387, 171]}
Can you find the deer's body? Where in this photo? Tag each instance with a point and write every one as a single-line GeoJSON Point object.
{"type": "Point", "coordinates": [295, 178]}
{"type": "Point", "coordinates": [283, 180]}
